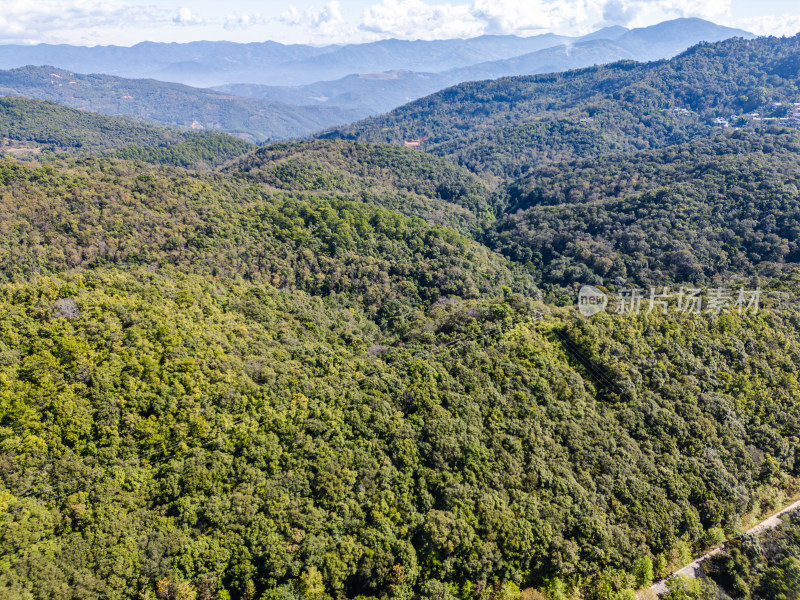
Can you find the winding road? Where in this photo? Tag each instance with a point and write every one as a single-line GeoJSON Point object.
{"type": "Point", "coordinates": [694, 568]}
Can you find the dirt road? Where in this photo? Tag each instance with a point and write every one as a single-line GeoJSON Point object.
{"type": "Point", "coordinates": [693, 569]}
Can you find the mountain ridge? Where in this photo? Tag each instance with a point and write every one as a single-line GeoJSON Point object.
{"type": "Point", "coordinates": [618, 107]}
{"type": "Point", "coordinates": [170, 104]}
{"type": "Point", "coordinates": [604, 46]}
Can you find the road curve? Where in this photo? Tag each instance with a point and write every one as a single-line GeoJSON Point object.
{"type": "Point", "coordinates": [693, 569]}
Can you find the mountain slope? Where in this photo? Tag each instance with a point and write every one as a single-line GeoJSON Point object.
{"type": "Point", "coordinates": [705, 212]}
{"type": "Point", "coordinates": [506, 126]}
{"type": "Point", "coordinates": [203, 434]}
{"type": "Point", "coordinates": [206, 224]}
{"type": "Point", "coordinates": [170, 104]}
{"type": "Point", "coordinates": [402, 179]}
{"type": "Point", "coordinates": [50, 125]}
{"type": "Point", "coordinates": [30, 127]}
{"type": "Point", "coordinates": [376, 92]}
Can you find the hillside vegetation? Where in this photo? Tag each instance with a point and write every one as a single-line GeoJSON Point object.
{"type": "Point", "coordinates": [505, 126]}
{"type": "Point", "coordinates": [36, 128]}
{"type": "Point", "coordinates": [171, 104]}
{"type": "Point", "coordinates": [210, 435]}
{"type": "Point", "coordinates": [702, 212]}
{"type": "Point", "coordinates": [58, 128]}
{"type": "Point", "coordinates": [332, 370]}
{"type": "Point", "coordinates": [404, 180]}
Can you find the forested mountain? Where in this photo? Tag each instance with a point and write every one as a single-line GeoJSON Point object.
{"type": "Point", "coordinates": [333, 369]}
{"type": "Point", "coordinates": [214, 225]}
{"type": "Point", "coordinates": [253, 383]}
{"type": "Point", "coordinates": [505, 126]}
{"type": "Point", "coordinates": [374, 88]}
{"type": "Point", "coordinates": [171, 104]}
{"type": "Point", "coordinates": [29, 128]}
{"type": "Point", "coordinates": [55, 127]}
{"type": "Point", "coordinates": [704, 211]}
{"type": "Point", "coordinates": [404, 180]}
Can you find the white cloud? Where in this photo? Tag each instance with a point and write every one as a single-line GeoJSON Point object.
{"type": "Point", "coordinates": [325, 22]}
{"type": "Point", "coordinates": [769, 25]}
{"type": "Point", "coordinates": [243, 21]}
{"type": "Point", "coordinates": [508, 16]}
{"type": "Point", "coordinates": [420, 19]}
{"type": "Point", "coordinates": [54, 20]}
{"type": "Point", "coordinates": [414, 19]}
{"type": "Point", "coordinates": [640, 13]}
{"type": "Point", "coordinates": [185, 16]}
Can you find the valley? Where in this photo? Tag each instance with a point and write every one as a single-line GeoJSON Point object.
{"type": "Point", "coordinates": [350, 365]}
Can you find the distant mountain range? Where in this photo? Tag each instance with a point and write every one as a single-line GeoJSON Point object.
{"type": "Point", "coordinates": [376, 92]}
{"type": "Point", "coordinates": [503, 127]}
{"type": "Point", "coordinates": [172, 104]}
{"type": "Point", "coordinates": [340, 84]}
{"type": "Point", "coordinates": [207, 64]}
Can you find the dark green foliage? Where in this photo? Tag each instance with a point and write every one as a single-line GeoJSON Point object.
{"type": "Point", "coordinates": [761, 567]}
{"type": "Point", "coordinates": [405, 180]}
{"type": "Point", "coordinates": [100, 212]}
{"type": "Point", "coordinates": [712, 209]}
{"type": "Point", "coordinates": [203, 430]}
{"type": "Point", "coordinates": [506, 126]}
{"type": "Point", "coordinates": [204, 150]}
{"type": "Point", "coordinates": [268, 382]}
{"type": "Point", "coordinates": [29, 128]}
{"type": "Point", "coordinates": [64, 129]}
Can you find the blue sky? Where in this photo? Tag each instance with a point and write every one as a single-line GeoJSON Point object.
{"type": "Point", "coordinates": [126, 22]}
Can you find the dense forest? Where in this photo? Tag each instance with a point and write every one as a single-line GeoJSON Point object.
{"type": "Point", "coordinates": [46, 129]}
{"type": "Point", "coordinates": [401, 179]}
{"type": "Point", "coordinates": [172, 104]}
{"type": "Point", "coordinates": [58, 128]}
{"type": "Point", "coordinates": [752, 567]}
{"type": "Point", "coordinates": [503, 127]}
{"type": "Point", "coordinates": [707, 211]}
{"type": "Point", "coordinates": [334, 369]}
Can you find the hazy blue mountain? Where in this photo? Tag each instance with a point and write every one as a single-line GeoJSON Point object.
{"type": "Point", "coordinates": [374, 93]}
{"type": "Point", "coordinates": [195, 63]}
{"type": "Point", "coordinates": [549, 60]}
{"type": "Point", "coordinates": [171, 104]}
{"type": "Point", "coordinates": [505, 126]}
{"type": "Point", "coordinates": [664, 40]}
{"type": "Point", "coordinates": [370, 93]}
{"type": "Point", "coordinates": [208, 64]}
{"type": "Point", "coordinates": [669, 38]}
{"type": "Point", "coordinates": [424, 56]}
